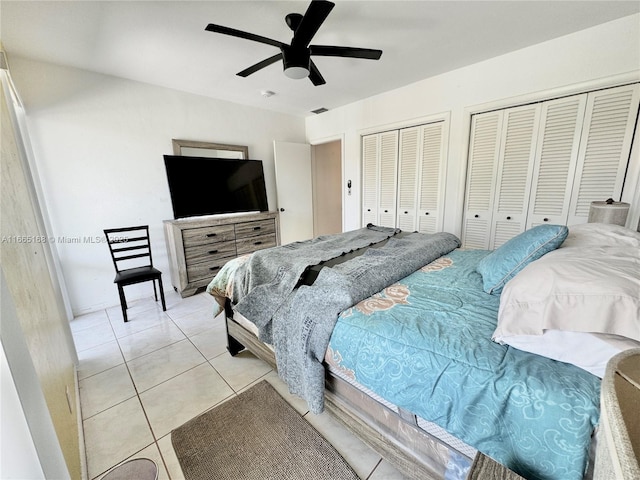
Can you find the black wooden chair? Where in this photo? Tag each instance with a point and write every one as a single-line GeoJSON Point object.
{"type": "Point", "coordinates": [130, 249]}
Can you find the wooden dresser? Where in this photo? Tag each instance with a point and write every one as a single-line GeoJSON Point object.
{"type": "Point", "coordinates": [198, 247]}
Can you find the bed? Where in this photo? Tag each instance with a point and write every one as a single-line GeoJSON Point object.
{"type": "Point", "coordinates": [419, 361]}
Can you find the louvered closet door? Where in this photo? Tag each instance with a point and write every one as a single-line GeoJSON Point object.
{"type": "Point", "coordinates": [607, 134]}
{"type": "Point", "coordinates": [484, 148]}
{"type": "Point", "coordinates": [556, 159]}
{"type": "Point", "coordinates": [370, 179]}
{"type": "Point", "coordinates": [431, 174]}
{"type": "Point", "coordinates": [515, 171]}
{"type": "Point", "coordinates": [388, 179]}
{"type": "Point", "coordinates": [408, 172]}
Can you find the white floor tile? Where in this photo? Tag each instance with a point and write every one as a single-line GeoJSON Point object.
{"type": "Point", "coordinates": [211, 342]}
{"type": "Point", "coordinates": [170, 458]}
{"type": "Point", "coordinates": [156, 367]}
{"type": "Point", "coordinates": [181, 398]}
{"type": "Point", "coordinates": [114, 435]}
{"type": "Point", "coordinates": [190, 305]}
{"type": "Point", "coordinates": [135, 307]}
{"type": "Point", "coordinates": [89, 320]}
{"type": "Point", "coordinates": [104, 390]}
{"type": "Point", "coordinates": [149, 340]}
{"type": "Point", "coordinates": [141, 379]}
{"type": "Point", "coordinates": [98, 359]}
{"type": "Point", "coordinates": [140, 322]}
{"type": "Point", "coordinates": [241, 370]}
{"type": "Point", "coordinates": [199, 321]}
{"type": "Point", "coordinates": [361, 458]}
{"type": "Point", "coordinates": [92, 337]}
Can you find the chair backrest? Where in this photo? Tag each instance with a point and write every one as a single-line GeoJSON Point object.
{"type": "Point", "coordinates": [130, 247]}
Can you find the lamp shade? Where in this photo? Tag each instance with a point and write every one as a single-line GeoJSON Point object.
{"type": "Point", "coordinates": [611, 212]}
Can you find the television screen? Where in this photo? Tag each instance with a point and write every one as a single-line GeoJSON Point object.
{"type": "Point", "coordinates": [209, 186]}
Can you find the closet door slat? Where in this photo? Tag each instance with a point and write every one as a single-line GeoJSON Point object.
{"type": "Point", "coordinates": [604, 148]}
{"type": "Point", "coordinates": [432, 162]}
{"type": "Point", "coordinates": [557, 155]}
{"type": "Point", "coordinates": [370, 179]}
{"type": "Point", "coordinates": [484, 149]}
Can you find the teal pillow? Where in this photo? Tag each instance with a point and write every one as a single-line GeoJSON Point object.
{"type": "Point", "coordinates": [506, 261]}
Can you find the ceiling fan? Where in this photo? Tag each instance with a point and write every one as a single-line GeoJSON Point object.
{"type": "Point", "coordinates": [296, 57]}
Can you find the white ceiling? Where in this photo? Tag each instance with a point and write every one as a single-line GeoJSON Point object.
{"type": "Point", "coordinates": [165, 43]}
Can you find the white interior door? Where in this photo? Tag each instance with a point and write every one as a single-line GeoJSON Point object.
{"type": "Point", "coordinates": [294, 190]}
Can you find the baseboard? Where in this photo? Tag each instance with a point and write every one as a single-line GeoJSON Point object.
{"type": "Point", "coordinates": [83, 451]}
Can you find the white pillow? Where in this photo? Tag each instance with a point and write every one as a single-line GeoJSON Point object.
{"type": "Point", "coordinates": [601, 235]}
{"type": "Point", "coordinates": [589, 351]}
{"type": "Point", "coordinates": [590, 284]}
{"type": "Point", "coordinates": [584, 289]}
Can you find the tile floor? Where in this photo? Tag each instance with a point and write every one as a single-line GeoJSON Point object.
{"type": "Point", "coordinates": [140, 380]}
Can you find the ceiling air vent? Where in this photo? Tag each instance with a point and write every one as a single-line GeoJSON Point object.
{"type": "Point", "coordinates": [320, 110]}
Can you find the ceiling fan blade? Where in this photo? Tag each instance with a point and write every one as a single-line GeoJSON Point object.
{"type": "Point", "coordinates": [239, 33]}
{"type": "Point", "coordinates": [316, 14]}
{"type": "Point", "coordinates": [260, 65]}
{"type": "Point", "coordinates": [352, 52]}
{"type": "Point", "coordinates": [314, 74]}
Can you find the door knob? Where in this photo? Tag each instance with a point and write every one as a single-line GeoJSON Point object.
{"type": "Point", "coordinates": [282, 209]}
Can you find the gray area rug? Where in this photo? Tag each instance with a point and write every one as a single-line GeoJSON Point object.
{"type": "Point", "coordinates": [256, 436]}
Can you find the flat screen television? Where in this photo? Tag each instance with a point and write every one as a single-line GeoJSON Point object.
{"type": "Point", "coordinates": [209, 186]}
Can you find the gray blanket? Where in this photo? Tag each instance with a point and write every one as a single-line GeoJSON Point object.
{"type": "Point", "coordinates": [265, 281]}
{"type": "Point", "coordinates": [302, 326]}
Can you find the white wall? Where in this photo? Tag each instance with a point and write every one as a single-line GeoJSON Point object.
{"type": "Point", "coordinates": [17, 448]}
{"type": "Point", "coordinates": [98, 142]}
{"type": "Point", "coordinates": [596, 57]}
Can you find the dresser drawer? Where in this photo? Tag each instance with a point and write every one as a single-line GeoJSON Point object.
{"type": "Point", "coordinates": [209, 252]}
{"type": "Point", "coordinates": [252, 229]}
{"type": "Point", "coordinates": [199, 247]}
{"type": "Point", "coordinates": [205, 235]}
{"type": "Point", "coordinates": [251, 244]}
{"type": "Point", "coordinates": [206, 270]}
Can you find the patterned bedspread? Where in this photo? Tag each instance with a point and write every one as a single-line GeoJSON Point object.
{"type": "Point", "coordinates": [424, 344]}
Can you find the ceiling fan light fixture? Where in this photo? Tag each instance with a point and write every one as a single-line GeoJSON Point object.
{"type": "Point", "coordinates": [296, 62]}
{"type": "Point", "coordinates": [296, 72]}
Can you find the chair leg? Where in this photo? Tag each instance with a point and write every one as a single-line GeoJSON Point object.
{"type": "Point", "coordinates": [123, 303]}
{"type": "Point", "coordinates": [155, 292]}
{"type": "Point", "coordinates": [164, 306]}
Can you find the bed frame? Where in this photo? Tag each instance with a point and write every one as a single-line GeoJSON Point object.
{"type": "Point", "coordinates": [395, 436]}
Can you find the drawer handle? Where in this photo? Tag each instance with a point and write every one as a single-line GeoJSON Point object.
{"type": "Point", "coordinates": [545, 219]}
{"type": "Point", "coordinates": [476, 216]}
{"type": "Point", "coordinates": [213, 269]}
{"type": "Point", "coordinates": [508, 218]}
{"type": "Point", "coordinates": [426, 213]}
{"type": "Point", "coordinates": [213, 251]}
{"type": "Point", "coordinates": [257, 243]}
{"type": "Point", "coordinates": [257, 228]}
{"type": "Point", "coordinates": [212, 235]}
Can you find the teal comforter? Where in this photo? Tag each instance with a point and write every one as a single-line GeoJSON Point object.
{"type": "Point", "coordinates": [425, 345]}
